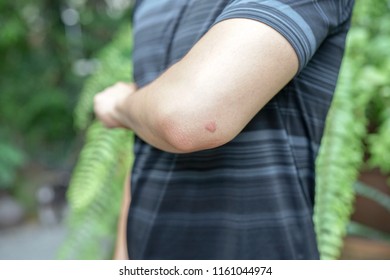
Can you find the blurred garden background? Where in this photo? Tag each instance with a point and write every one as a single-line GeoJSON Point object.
{"type": "Point", "coordinates": [47, 51]}
{"type": "Point", "coordinates": [61, 173]}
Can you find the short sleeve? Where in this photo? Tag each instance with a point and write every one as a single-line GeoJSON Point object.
{"type": "Point", "coordinates": [304, 23]}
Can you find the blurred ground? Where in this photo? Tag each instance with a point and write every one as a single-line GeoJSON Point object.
{"type": "Point", "coordinates": [31, 241]}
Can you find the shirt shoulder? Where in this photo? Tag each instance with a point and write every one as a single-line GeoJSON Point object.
{"type": "Point", "coordinates": [304, 23]}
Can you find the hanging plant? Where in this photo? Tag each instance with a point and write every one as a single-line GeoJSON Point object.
{"type": "Point", "coordinates": [361, 99]}
{"type": "Point", "coordinates": [96, 186]}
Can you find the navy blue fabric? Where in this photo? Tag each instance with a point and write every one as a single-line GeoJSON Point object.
{"type": "Point", "coordinates": [251, 198]}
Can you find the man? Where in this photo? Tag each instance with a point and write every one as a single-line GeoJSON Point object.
{"type": "Point", "coordinates": [229, 109]}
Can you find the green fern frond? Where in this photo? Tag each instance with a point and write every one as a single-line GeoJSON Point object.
{"type": "Point", "coordinates": [338, 162]}
{"type": "Point", "coordinates": [96, 187]}
{"type": "Point", "coordinates": [95, 193]}
{"type": "Point", "coordinates": [102, 153]}
{"type": "Point", "coordinates": [364, 73]}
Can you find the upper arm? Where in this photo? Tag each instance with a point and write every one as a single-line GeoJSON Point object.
{"type": "Point", "coordinates": [220, 85]}
{"type": "Point", "coordinates": [235, 69]}
{"type": "Point", "coordinates": [238, 66]}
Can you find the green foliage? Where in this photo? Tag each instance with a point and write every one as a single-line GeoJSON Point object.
{"type": "Point", "coordinates": [95, 194]}
{"type": "Point", "coordinates": [338, 162]}
{"type": "Point", "coordinates": [114, 66]}
{"type": "Point", "coordinates": [11, 159]}
{"type": "Point", "coordinates": [379, 142]}
{"type": "Point", "coordinates": [361, 101]}
{"type": "Point", "coordinates": [378, 50]}
{"type": "Point", "coordinates": [96, 188]}
{"type": "Point", "coordinates": [39, 83]}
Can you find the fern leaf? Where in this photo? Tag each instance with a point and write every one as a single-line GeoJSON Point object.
{"type": "Point", "coordinates": [96, 185]}
{"type": "Point", "coordinates": [379, 142]}
{"type": "Point", "coordinates": [95, 193]}
{"type": "Point", "coordinates": [338, 162]}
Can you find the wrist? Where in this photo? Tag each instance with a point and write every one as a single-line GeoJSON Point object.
{"type": "Point", "coordinates": [123, 112]}
{"type": "Point", "coordinates": [121, 108]}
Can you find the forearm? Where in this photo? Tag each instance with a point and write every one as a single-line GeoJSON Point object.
{"type": "Point", "coordinates": [170, 115]}
{"type": "Point", "coordinates": [144, 115]}
{"type": "Point", "coordinates": [122, 105]}
{"type": "Point", "coordinates": [206, 99]}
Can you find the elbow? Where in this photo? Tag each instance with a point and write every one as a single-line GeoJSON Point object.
{"type": "Point", "coordinates": [181, 141]}
{"type": "Point", "coordinates": [185, 133]}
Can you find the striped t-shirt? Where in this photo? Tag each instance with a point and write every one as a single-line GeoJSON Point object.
{"type": "Point", "coordinates": [251, 198]}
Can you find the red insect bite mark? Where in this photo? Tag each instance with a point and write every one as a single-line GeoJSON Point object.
{"type": "Point", "coordinates": [211, 126]}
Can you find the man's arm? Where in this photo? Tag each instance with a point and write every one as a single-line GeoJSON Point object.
{"type": "Point", "coordinates": [204, 100]}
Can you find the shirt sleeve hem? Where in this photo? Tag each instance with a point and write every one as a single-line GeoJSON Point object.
{"type": "Point", "coordinates": [277, 20]}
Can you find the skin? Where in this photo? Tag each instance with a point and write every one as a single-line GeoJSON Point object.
{"type": "Point", "coordinates": [204, 100]}
{"type": "Point", "coordinates": [211, 126]}
{"type": "Point", "coordinates": [120, 252]}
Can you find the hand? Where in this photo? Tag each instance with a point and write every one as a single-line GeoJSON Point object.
{"type": "Point", "coordinates": [106, 103]}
